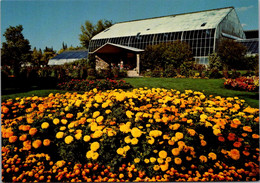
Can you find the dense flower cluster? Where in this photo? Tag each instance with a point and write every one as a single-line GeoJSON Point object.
{"type": "Point", "coordinates": [138, 135]}
{"type": "Point", "coordinates": [86, 85]}
{"type": "Point", "coordinates": [243, 83]}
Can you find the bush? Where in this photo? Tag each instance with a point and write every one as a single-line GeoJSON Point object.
{"type": "Point", "coordinates": [185, 69]}
{"type": "Point", "coordinates": [87, 85]}
{"type": "Point", "coordinates": [165, 54]}
{"type": "Point", "coordinates": [243, 83]}
{"type": "Point", "coordinates": [157, 72]}
{"type": "Point", "coordinates": [215, 61]}
{"type": "Point", "coordinates": [169, 72]}
{"type": "Point", "coordinates": [231, 53]}
{"type": "Point", "coordinates": [215, 74]}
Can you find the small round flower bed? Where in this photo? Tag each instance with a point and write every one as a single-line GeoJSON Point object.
{"type": "Point", "coordinates": [243, 83]}
{"type": "Point", "coordinates": [86, 85]}
{"type": "Point", "coordinates": [137, 135]}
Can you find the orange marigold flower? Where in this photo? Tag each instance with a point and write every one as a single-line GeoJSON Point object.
{"type": "Point", "coordinates": [203, 142]}
{"type": "Point", "coordinates": [231, 137]}
{"type": "Point", "coordinates": [203, 159]}
{"type": "Point", "coordinates": [5, 109]}
{"type": "Point", "coordinates": [37, 143]}
{"type": "Point", "coordinates": [179, 135]}
{"type": "Point", "coordinates": [27, 145]}
{"type": "Point", "coordinates": [255, 136]}
{"type": "Point", "coordinates": [237, 144]}
{"type": "Point", "coordinates": [26, 127]}
{"type": "Point", "coordinates": [46, 142]}
{"type": "Point", "coordinates": [162, 154]}
{"type": "Point", "coordinates": [177, 161]}
{"type": "Point", "coordinates": [236, 121]}
{"type": "Point", "coordinates": [23, 137]}
{"type": "Point", "coordinates": [247, 129]}
{"type": "Point", "coordinates": [212, 156]}
{"type": "Point", "coordinates": [30, 120]}
{"type": "Point", "coordinates": [12, 139]}
{"type": "Point", "coordinates": [221, 138]}
{"type": "Point", "coordinates": [234, 154]}
{"type": "Point", "coordinates": [246, 153]}
{"type": "Point", "coordinates": [69, 115]}
{"type": "Point", "coordinates": [244, 134]}
{"type": "Point", "coordinates": [191, 132]}
{"type": "Point", "coordinates": [33, 131]}
{"type": "Point", "coordinates": [175, 151]}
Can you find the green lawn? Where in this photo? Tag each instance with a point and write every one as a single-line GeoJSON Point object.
{"type": "Point", "coordinates": [207, 86]}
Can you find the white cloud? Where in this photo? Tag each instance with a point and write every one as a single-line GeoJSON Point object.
{"type": "Point", "coordinates": [243, 25]}
{"type": "Point", "coordinates": [244, 8]}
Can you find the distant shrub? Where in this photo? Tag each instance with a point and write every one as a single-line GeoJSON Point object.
{"type": "Point", "coordinates": [215, 61]}
{"type": "Point", "coordinates": [215, 74]}
{"type": "Point", "coordinates": [86, 85]}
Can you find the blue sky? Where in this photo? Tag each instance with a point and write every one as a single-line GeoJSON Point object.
{"type": "Point", "coordinates": [51, 22]}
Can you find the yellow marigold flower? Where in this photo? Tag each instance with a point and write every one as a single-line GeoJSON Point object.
{"type": "Point", "coordinates": [111, 133]}
{"type": "Point", "coordinates": [175, 126]}
{"type": "Point", "coordinates": [120, 151]}
{"type": "Point", "coordinates": [175, 151]}
{"type": "Point", "coordinates": [60, 135]}
{"type": "Point", "coordinates": [77, 103]}
{"type": "Point", "coordinates": [156, 167]}
{"type": "Point", "coordinates": [164, 167]}
{"type": "Point", "coordinates": [86, 138]}
{"type": "Point", "coordinates": [163, 154]}
{"type": "Point", "coordinates": [62, 128]}
{"type": "Point", "coordinates": [97, 134]}
{"type": "Point", "coordinates": [203, 117]}
{"type": "Point", "coordinates": [129, 114]}
{"type": "Point", "coordinates": [168, 159]}
{"type": "Point", "coordinates": [212, 156]}
{"type": "Point", "coordinates": [203, 159]}
{"type": "Point", "coordinates": [152, 159]}
{"type": "Point", "coordinates": [89, 154]}
{"type": "Point", "coordinates": [150, 140]}
{"type": "Point", "coordinates": [202, 97]}
{"type": "Point", "coordinates": [146, 160]}
{"type": "Point", "coordinates": [177, 161]}
{"type": "Point", "coordinates": [95, 156]}
{"type": "Point", "coordinates": [136, 160]}
{"type": "Point", "coordinates": [120, 97]}
{"type": "Point", "coordinates": [78, 136]}
{"type": "Point", "coordinates": [94, 146]}
{"type": "Point", "coordinates": [127, 139]}
{"type": "Point", "coordinates": [104, 105]}
{"type": "Point", "coordinates": [64, 121]}
{"type": "Point", "coordinates": [56, 121]}
{"type": "Point", "coordinates": [71, 125]}
{"type": "Point", "coordinates": [155, 133]}
{"type": "Point", "coordinates": [216, 131]}
{"type": "Point", "coordinates": [160, 160]}
{"type": "Point", "coordinates": [124, 128]}
{"type": "Point", "coordinates": [108, 111]}
{"type": "Point", "coordinates": [126, 148]}
{"type": "Point", "coordinates": [136, 132]}
{"type": "Point", "coordinates": [96, 114]}
{"type": "Point", "coordinates": [45, 125]}
{"type": "Point", "coordinates": [179, 135]}
{"type": "Point", "coordinates": [60, 163]}
{"type": "Point", "coordinates": [99, 119]}
{"type": "Point", "coordinates": [121, 175]}
{"type": "Point", "coordinates": [134, 141]}
{"type": "Point", "coordinates": [68, 139]}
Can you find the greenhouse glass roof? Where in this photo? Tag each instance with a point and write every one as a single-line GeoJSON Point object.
{"type": "Point", "coordinates": [75, 54]}
{"type": "Point", "coordinates": [182, 22]}
{"type": "Point", "coordinates": [251, 44]}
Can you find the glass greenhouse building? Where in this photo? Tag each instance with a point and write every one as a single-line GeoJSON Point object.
{"type": "Point", "coordinates": [123, 42]}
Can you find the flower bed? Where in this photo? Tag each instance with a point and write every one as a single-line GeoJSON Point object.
{"type": "Point", "coordinates": [138, 135]}
{"type": "Point", "coordinates": [86, 85]}
{"type": "Point", "coordinates": [243, 83]}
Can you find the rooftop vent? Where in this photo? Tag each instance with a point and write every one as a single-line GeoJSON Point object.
{"type": "Point", "coordinates": [148, 29]}
{"type": "Point", "coordinates": [202, 25]}
{"type": "Point", "coordinates": [106, 30]}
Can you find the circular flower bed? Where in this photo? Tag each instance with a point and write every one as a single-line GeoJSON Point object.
{"type": "Point", "coordinates": [138, 135]}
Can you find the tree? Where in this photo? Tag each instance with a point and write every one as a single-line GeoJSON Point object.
{"type": "Point", "coordinates": [36, 57]}
{"type": "Point", "coordinates": [231, 53]}
{"type": "Point", "coordinates": [48, 53]}
{"type": "Point", "coordinates": [166, 54]}
{"type": "Point", "coordinates": [90, 30]}
{"type": "Point", "coordinates": [16, 50]}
